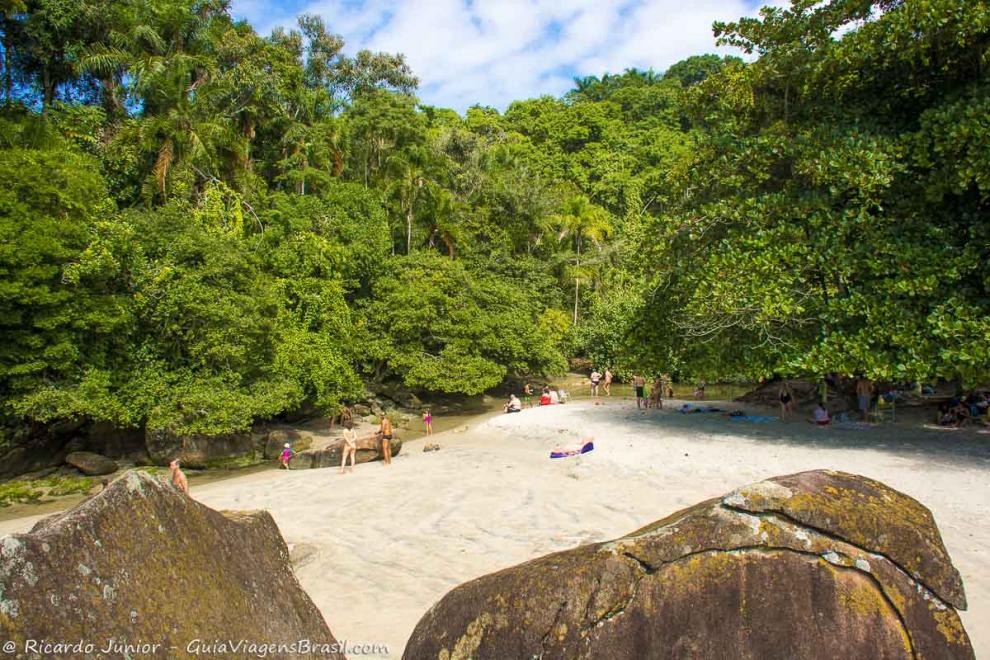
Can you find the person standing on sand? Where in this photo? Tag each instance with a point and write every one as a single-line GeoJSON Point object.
{"type": "Point", "coordinates": [607, 384]}
{"type": "Point", "coordinates": [178, 478]}
{"type": "Point", "coordinates": [639, 385]}
{"type": "Point", "coordinates": [350, 446]}
{"type": "Point", "coordinates": [428, 421]}
{"type": "Point", "coordinates": [864, 393]}
{"type": "Point", "coordinates": [786, 400]}
{"type": "Point", "coordinates": [385, 430]}
{"type": "Point", "coordinates": [595, 379]}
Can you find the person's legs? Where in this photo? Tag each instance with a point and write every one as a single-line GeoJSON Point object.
{"type": "Point", "coordinates": [387, 450]}
{"type": "Point", "coordinates": [353, 452]}
{"type": "Point", "coordinates": [343, 458]}
{"type": "Point", "coordinates": [864, 405]}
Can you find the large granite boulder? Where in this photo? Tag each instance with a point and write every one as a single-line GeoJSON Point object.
{"type": "Point", "coordinates": [114, 441]}
{"type": "Point", "coordinates": [143, 563]}
{"type": "Point", "coordinates": [91, 464]}
{"type": "Point", "coordinates": [369, 449]}
{"type": "Point", "coordinates": [275, 441]}
{"type": "Point", "coordinates": [197, 450]}
{"type": "Point", "coordinates": [813, 565]}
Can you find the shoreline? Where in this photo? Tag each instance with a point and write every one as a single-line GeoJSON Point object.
{"type": "Point", "coordinates": [375, 549]}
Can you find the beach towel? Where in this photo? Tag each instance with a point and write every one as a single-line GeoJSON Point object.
{"type": "Point", "coordinates": [565, 452]}
{"type": "Point", "coordinates": [753, 419]}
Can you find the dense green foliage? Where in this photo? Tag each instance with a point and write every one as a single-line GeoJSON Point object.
{"type": "Point", "coordinates": [201, 226]}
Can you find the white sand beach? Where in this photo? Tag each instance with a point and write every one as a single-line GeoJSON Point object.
{"type": "Point", "coordinates": [378, 547]}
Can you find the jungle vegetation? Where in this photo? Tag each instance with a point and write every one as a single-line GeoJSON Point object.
{"type": "Point", "coordinates": [202, 226]}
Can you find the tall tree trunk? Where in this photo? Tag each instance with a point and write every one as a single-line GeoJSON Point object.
{"type": "Point", "coordinates": [409, 219]}
{"type": "Point", "coordinates": [577, 281]}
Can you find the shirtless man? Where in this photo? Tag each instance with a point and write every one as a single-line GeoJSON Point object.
{"type": "Point", "coordinates": [607, 383]}
{"type": "Point", "coordinates": [639, 384]}
{"type": "Point", "coordinates": [350, 446]}
{"type": "Point", "coordinates": [178, 478]}
{"type": "Point", "coordinates": [864, 393]}
{"type": "Point", "coordinates": [386, 432]}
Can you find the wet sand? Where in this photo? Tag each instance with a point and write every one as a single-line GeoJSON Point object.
{"type": "Point", "coordinates": [378, 547]}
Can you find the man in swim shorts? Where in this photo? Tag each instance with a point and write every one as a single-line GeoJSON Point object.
{"type": "Point", "coordinates": [639, 384]}
{"type": "Point", "coordinates": [595, 379]}
{"type": "Point", "coordinates": [864, 393]}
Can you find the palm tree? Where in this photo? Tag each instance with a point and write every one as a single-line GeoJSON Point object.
{"type": "Point", "coordinates": [582, 222]}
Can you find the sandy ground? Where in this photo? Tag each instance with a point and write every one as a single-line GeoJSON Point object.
{"type": "Point", "coordinates": [381, 545]}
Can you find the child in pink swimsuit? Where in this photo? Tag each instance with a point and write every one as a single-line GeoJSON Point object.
{"type": "Point", "coordinates": [286, 455]}
{"type": "Point", "coordinates": [428, 420]}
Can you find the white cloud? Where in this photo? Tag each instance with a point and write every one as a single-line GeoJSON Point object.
{"type": "Point", "coordinates": [494, 51]}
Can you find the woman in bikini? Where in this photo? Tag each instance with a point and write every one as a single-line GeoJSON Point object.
{"type": "Point", "coordinates": [786, 400]}
{"type": "Point", "coordinates": [386, 432]}
{"type": "Point", "coordinates": [350, 446]}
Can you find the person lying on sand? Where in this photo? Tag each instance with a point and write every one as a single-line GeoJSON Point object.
{"type": "Point", "coordinates": [178, 478]}
{"type": "Point", "coordinates": [581, 447]}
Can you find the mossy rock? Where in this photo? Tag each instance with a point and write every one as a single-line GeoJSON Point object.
{"type": "Point", "coordinates": [143, 562]}
{"type": "Point", "coordinates": [713, 580]}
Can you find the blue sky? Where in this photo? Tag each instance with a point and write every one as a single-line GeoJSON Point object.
{"type": "Point", "coordinates": [495, 51]}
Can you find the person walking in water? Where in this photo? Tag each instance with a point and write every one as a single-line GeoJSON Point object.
{"type": "Point", "coordinates": [386, 432]}
{"type": "Point", "coordinates": [639, 385]}
{"type": "Point", "coordinates": [350, 446]}
{"type": "Point", "coordinates": [595, 379]}
{"type": "Point", "coordinates": [428, 421]}
{"type": "Point", "coordinates": [178, 478]}
{"type": "Point", "coordinates": [286, 455]}
{"type": "Point", "coordinates": [607, 383]}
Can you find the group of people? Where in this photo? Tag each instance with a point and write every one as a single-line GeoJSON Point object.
{"type": "Point", "coordinates": [548, 396]}
{"type": "Point", "coordinates": [383, 437]}
{"type": "Point", "coordinates": [602, 380]}
{"type": "Point", "coordinates": [661, 387]}
{"type": "Point", "coordinates": [960, 411]}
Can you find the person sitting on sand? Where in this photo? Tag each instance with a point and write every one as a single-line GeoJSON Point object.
{"type": "Point", "coordinates": [820, 416]}
{"type": "Point", "coordinates": [350, 446]}
{"type": "Point", "coordinates": [286, 455]}
{"type": "Point", "coordinates": [513, 405]}
{"type": "Point", "coordinates": [386, 432]}
{"type": "Point", "coordinates": [554, 397]}
{"type": "Point", "coordinates": [545, 397]}
{"type": "Point", "coordinates": [178, 478]}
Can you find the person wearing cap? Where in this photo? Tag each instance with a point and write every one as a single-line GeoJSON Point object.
{"type": "Point", "coordinates": [286, 455]}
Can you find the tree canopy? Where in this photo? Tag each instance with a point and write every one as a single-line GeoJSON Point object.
{"type": "Point", "coordinates": [203, 226]}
